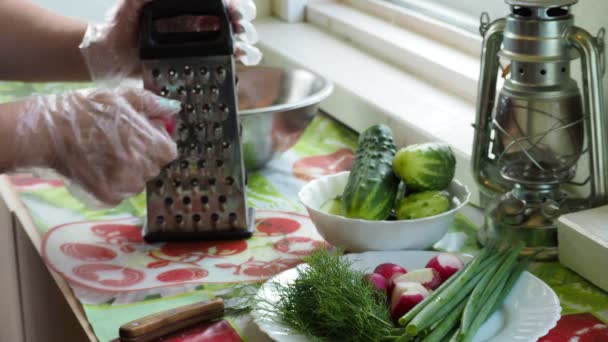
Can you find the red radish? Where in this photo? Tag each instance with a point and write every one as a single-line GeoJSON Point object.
{"type": "Point", "coordinates": [388, 270]}
{"type": "Point", "coordinates": [405, 296]}
{"type": "Point", "coordinates": [377, 280]}
{"type": "Point", "coordinates": [427, 277]}
{"type": "Point", "coordinates": [446, 264]}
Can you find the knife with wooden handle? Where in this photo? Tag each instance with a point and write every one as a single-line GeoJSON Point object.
{"type": "Point", "coordinates": [154, 326]}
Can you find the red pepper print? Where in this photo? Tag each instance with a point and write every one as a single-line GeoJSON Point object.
{"type": "Point", "coordinates": [193, 252]}
{"type": "Point", "coordinates": [259, 268]}
{"type": "Point", "coordinates": [220, 331]}
{"type": "Point", "coordinates": [95, 273]}
{"type": "Point", "coordinates": [128, 236]}
{"type": "Point", "coordinates": [310, 168]}
{"type": "Point", "coordinates": [182, 274]}
{"type": "Point", "coordinates": [274, 226]}
{"type": "Point", "coordinates": [87, 252]}
{"type": "Point", "coordinates": [298, 245]}
{"type": "Point", "coordinates": [577, 328]}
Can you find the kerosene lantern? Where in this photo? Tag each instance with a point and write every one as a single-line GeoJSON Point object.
{"type": "Point", "coordinates": [540, 148]}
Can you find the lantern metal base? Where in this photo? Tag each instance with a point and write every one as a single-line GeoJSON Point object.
{"type": "Point", "coordinates": [544, 239]}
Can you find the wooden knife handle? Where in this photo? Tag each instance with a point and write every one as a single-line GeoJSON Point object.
{"type": "Point", "coordinates": [167, 322]}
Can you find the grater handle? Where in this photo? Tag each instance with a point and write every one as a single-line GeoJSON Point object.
{"type": "Point", "coordinates": [160, 45]}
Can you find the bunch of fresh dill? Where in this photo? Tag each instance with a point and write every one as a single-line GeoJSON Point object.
{"type": "Point", "coordinates": [331, 301]}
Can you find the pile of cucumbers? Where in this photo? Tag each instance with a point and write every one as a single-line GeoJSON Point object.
{"type": "Point", "coordinates": [388, 184]}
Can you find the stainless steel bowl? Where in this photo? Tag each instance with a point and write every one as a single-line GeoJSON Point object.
{"type": "Point", "coordinates": [275, 105]}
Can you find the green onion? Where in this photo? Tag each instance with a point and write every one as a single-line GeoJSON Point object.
{"type": "Point", "coordinates": [494, 289]}
{"type": "Point", "coordinates": [476, 296]}
{"type": "Point", "coordinates": [447, 325]}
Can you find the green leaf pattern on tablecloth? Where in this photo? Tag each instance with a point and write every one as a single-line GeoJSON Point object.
{"type": "Point", "coordinates": [71, 209]}
{"type": "Point", "coordinates": [576, 294]}
{"type": "Point", "coordinates": [461, 237]}
{"type": "Point", "coordinates": [261, 194]}
{"type": "Point", "coordinates": [324, 136]}
{"type": "Point", "coordinates": [10, 91]}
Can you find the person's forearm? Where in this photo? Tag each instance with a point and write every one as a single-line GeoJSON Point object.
{"type": "Point", "coordinates": [38, 45]}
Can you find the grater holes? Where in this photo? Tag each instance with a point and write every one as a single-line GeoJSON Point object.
{"type": "Point", "coordinates": [215, 92]}
{"type": "Point", "coordinates": [211, 181]}
{"type": "Point", "coordinates": [229, 180]}
{"type": "Point", "coordinates": [186, 200]}
{"type": "Point", "coordinates": [197, 89]}
{"type": "Point", "coordinates": [215, 217]}
{"type": "Point", "coordinates": [219, 163]}
{"type": "Point", "coordinates": [172, 73]}
{"type": "Point", "coordinates": [187, 70]}
{"type": "Point", "coordinates": [232, 217]}
{"type": "Point", "coordinates": [222, 199]}
{"type": "Point", "coordinates": [201, 164]}
{"type": "Point", "coordinates": [209, 147]}
{"type": "Point", "coordinates": [160, 220]}
{"type": "Point", "coordinates": [179, 219]}
{"type": "Point", "coordinates": [164, 91]}
{"type": "Point", "coordinates": [159, 183]}
{"type": "Point", "coordinates": [203, 71]}
{"type": "Point", "coordinates": [196, 218]}
{"type": "Point", "coordinates": [182, 91]}
{"type": "Point", "coordinates": [194, 182]}
{"type": "Point", "coordinates": [190, 108]}
{"type": "Point", "coordinates": [155, 73]}
{"type": "Point", "coordinates": [183, 164]}
{"type": "Point", "coordinates": [168, 201]}
{"type": "Point", "coordinates": [220, 72]}
{"type": "Point", "coordinates": [204, 200]}
{"type": "Point", "coordinates": [177, 183]}
{"type": "Point", "coordinates": [181, 145]}
{"type": "Point", "coordinates": [217, 130]}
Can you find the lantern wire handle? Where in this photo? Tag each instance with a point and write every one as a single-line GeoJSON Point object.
{"type": "Point", "coordinates": [484, 22]}
{"type": "Point", "coordinates": [602, 47]}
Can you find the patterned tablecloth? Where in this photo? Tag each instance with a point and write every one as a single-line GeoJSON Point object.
{"type": "Point", "coordinates": [117, 277]}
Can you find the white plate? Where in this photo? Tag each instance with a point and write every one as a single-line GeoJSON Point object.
{"type": "Point", "coordinates": [528, 313]}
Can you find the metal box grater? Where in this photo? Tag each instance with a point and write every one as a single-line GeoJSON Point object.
{"type": "Point", "coordinates": [201, 195]}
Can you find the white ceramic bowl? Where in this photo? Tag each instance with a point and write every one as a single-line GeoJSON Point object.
{"type": "Point", "coordinates": [356, 235]}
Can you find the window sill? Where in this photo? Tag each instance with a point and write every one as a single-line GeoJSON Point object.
{"type": "Point", "coordinates": [369, 91]}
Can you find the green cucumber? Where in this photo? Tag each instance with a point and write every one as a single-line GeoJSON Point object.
{"type": "Point", "coordinates": [424, 167]}
{"type": "Point", "coordinates": [372, 185]}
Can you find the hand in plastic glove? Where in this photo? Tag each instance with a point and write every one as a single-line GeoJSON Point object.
{"type": "Point", "coordinates": [110, 49]}
{"type": "Point", "coordinates": [110, 142]}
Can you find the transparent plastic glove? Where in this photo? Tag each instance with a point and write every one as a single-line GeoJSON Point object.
{"type": "Point", "coordinates": [108, 143]}
{"type": "Point", "coordinates": [110, 49]}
